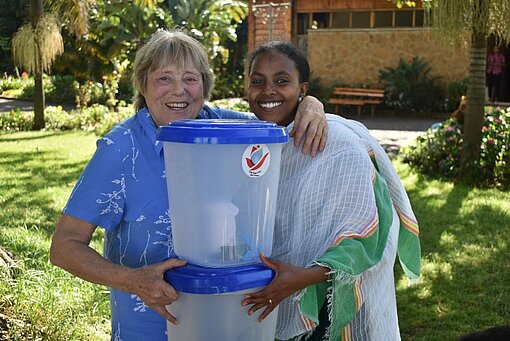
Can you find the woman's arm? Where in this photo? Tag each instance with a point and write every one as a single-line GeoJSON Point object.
{"type": "Point", "coordinates": [70, 250]}
{"type": "Point", "coordinates": [288, 280]}
{"type": "Point", "coordinates": [310, 123]}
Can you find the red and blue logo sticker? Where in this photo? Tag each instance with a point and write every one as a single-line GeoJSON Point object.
{"type": "Point", "coordinates": [256, 160]}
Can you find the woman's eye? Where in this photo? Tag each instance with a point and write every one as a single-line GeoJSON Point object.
{"type": "Point", "coordinates": [191, 79]}
{"type": "Point", "coordinates": [255, 82]}
{"type": "Point", "coordinates": [282, 81]}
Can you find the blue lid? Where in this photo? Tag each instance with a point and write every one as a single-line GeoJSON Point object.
{"type": "Point", "coordinates": [195, 279]}
{"type": "Point", "coordinates": [216, 131]}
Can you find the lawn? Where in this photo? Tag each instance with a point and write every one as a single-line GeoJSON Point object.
{"type": "Point", "coordinates": [465, 235]}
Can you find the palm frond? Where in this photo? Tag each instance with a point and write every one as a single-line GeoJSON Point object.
{"type": "Point", "coordinates": [74, 13]}
{"type": "Point", "coordinates": [36, 49]}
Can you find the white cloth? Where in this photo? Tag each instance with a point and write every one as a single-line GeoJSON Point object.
{"type": "Point", "coordinates": [324, 199]}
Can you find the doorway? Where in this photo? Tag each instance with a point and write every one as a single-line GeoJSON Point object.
{"type": "Point", "coordinates": [504, 48]}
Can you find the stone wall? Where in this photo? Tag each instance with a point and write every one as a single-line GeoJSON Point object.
{"type": "Point", "coordinates": [356, 56]}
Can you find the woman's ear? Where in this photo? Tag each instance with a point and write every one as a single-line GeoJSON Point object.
{"type": "Point", "coordinates": [303, 89]}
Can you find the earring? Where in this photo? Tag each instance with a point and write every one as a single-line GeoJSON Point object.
{"type": "Point", "coordinates": [299, 99]}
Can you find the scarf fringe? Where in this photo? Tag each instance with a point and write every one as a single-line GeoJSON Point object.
{"type": "Point", "coordinates": [339, 277]}
{"type": "Point", "coordinates": [329, 297]}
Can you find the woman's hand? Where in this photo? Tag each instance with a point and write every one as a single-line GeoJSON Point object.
{"type": "Point", "coordinates": [70, 250]}
{"type": "Point", "coordinates": [148, 283]}
{"type": "Point", "coordinates": [310, 119]}
{"type": "Point", "coordinates": [288, 279]}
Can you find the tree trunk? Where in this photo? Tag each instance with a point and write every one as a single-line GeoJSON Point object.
{"type": "Point", "coordinates": [39, 121]}
{"type": "Point", "coordinates": [473, 120]}
{"type": "Point", "coordinates": [36, 12]}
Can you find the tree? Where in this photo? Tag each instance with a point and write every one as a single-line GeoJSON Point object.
{"type": "Point", "coordinates": [210, 22]}
{"type": "Point", "coordinates": [36, 44]}
{"type": "Point", "coordinates": [118, 29]}
{"type": "Point", "coordinates": [476, 20]}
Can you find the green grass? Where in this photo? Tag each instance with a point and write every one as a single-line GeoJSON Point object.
{"type": "Point", "coordinates": [465, 237]}
{"type": "Point", "coordinates": [465, 234]}
{"type": "Point", "coordinates": [39, 301]}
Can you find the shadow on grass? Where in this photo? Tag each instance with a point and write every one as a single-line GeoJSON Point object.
{"type": "Point", "coordinates": [8, 137]}
{"type": "Point", "coordinates": [29, 200]}
{"type": "Point", "coordinates": [465, 268]}
{"type": "Point", "coordinates": [28, 192]}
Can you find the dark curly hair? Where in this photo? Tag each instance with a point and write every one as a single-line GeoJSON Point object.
{"type": "Point", "coordinates": [290, 51]}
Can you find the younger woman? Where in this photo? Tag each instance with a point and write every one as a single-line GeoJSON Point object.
{"type": "Point", "coordinates": [341, 217]}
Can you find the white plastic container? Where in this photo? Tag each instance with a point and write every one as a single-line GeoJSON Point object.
{"type": "Point", "coordinates": [209, 304]}
{"type": "Point", "coordinates": [222, 178]}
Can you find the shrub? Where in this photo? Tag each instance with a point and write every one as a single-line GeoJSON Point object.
{"type": "Point", "coordinates": [228, 85]}
{"type": "Point", "coordinates": [97, 118]}
{"type": "Point", "coordinates": [437, 152]}
{"type": "Point", "coordinates": [321, 91]}
{"type": "Point", "coordinates": [410, 87]}
{"type": "Point", "coordinates": [454, 91]}
{"type": "Point", "coordinates": [110, 119]}
{"type": "Point", "coordinates": [238, 104]}
{"type": "Point", "coordinates": [17, 120]}
{"type": "Point", "coordinates": [58, 119]}
{"type": "Point", "coordinates": [90, 92]}
{"type": "Point", "coordinates": [8, 82]}
{"type": "Point", "coordinates": [61, 89]}
{"type": "Point", "coordinates": [65, 89]}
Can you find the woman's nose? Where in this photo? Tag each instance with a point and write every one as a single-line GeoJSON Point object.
{"type": "Point", "coordinates": [269, 88]}
{"type": "Point", "coordinates": [178, 88]}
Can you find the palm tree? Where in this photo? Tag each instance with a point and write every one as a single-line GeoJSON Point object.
{"type": "Point", "coordinates": [474, 20]}
{"type": "Point", "coordinates": [36, 44]}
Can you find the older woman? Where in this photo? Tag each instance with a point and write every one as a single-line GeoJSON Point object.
{"type": "Point", "coordinates": [340, 218]}
{"type": "Point", "coordinates": [123, 189]}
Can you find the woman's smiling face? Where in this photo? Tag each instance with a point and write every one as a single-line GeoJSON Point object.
{"type": "Point", "coordinates": [274, 87]}
{"type": "Point", "coordinates": [173, 94]}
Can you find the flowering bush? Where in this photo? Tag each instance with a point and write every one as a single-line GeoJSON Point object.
{"type": "Point", "coordinates": [16, 120]}
{"type": "Point", "coordinates": [64, 89]}
{"type": "Point", "coordinates": [437, 152]}
{"type": "Point", "coordinates": [8, 82]}
{"type": "Point", "coordinates": [97, 118]}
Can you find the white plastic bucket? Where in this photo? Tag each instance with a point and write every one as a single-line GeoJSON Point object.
{"type": "Point", "coordinates": [209, 304]}
{"type": "Point", "coordinates": [222, 178]}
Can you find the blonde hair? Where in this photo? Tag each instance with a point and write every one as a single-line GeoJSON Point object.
{"type": "Point", "coordinates": [165, 48]}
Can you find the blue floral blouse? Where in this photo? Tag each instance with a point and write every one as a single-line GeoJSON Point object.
{"type": "Point", "coordinates": [123, 189]}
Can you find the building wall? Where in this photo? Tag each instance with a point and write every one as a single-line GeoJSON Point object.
{"type": "Point", "coordinates": [329, 5]}
{"type": "Point", "coordinates": [356, 56]}
{"type": "Point", "coordinates": [264, 21]}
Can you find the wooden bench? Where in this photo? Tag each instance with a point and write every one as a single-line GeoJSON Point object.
{"type": "Point", "coordinates": [356, 96]}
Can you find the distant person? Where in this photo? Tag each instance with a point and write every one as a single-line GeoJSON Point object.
{"type": "Point", "coordinates": [495, 65]}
